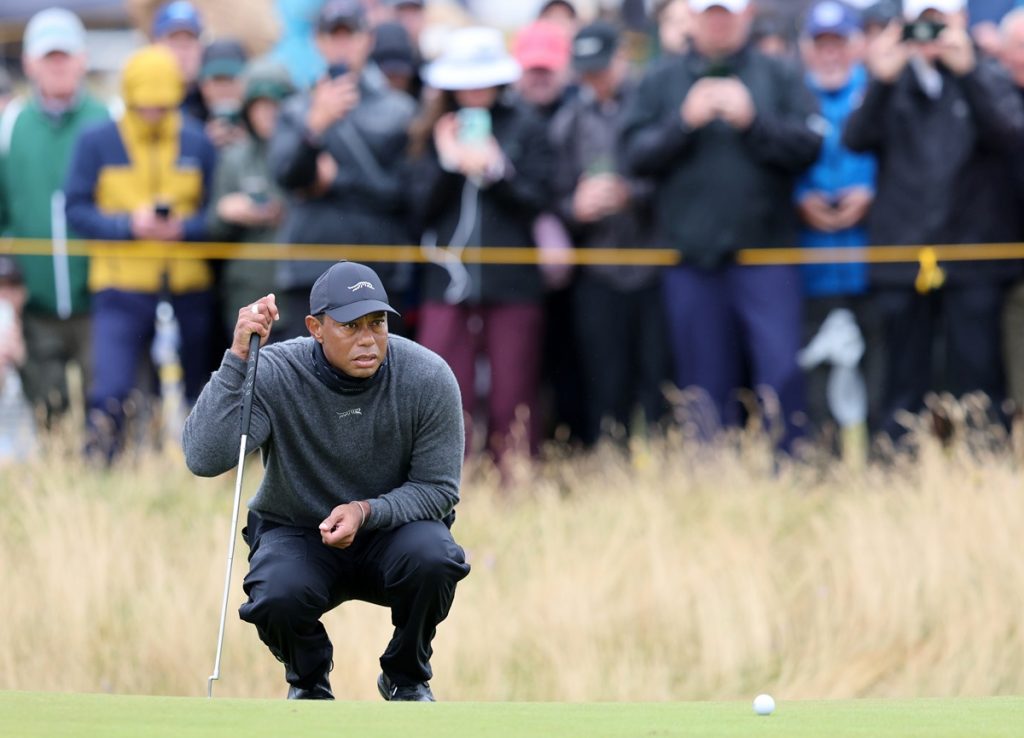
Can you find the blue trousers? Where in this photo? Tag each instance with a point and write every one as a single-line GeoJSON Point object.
{"type": "Point", "coordinates": [737, 327]}
{"type": "Point", "coordinates": [122, 332]}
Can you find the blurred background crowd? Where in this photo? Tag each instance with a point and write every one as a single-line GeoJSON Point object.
{"type": "Point", "coordinates": [706, 127]}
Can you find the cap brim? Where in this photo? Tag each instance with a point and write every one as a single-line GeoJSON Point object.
{"type": "Point", "coordinates": [45, 46]}
{"type": "Point", "coordinates": [221, 68]}
{"type": "Point", "coordinates": [596, 63]}
{"type": "Point", "coordinates": [356, 310]}
{"type": "Point", "coordinates": [444, 76]}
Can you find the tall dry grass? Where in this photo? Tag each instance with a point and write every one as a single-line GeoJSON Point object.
{"type": "Point", "coordinates": [672, 573]}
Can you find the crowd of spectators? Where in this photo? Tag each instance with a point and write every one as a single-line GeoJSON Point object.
{"type": "Point", "coordinates": [723, 131]}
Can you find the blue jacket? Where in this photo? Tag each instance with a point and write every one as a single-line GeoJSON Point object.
{"type": "Point", "coordinates": [837, 169]}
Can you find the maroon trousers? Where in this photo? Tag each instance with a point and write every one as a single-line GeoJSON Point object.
{"type": "Point", "coordinates": [510, 337]}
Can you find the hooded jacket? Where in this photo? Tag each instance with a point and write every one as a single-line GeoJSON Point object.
{"type": "Point", "coordinates": [124, 165]}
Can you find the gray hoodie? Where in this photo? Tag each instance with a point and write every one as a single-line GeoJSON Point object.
{"type": "Point", "coordinates": [398, 444]}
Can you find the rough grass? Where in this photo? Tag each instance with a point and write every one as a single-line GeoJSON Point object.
{"type": "Point", "coordinates": [671, 572]}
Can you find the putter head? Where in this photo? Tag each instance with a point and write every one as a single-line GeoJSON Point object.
{"type": "Point", "coordinates": [209, 685]}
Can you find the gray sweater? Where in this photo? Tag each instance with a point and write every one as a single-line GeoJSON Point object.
{"type": "Point", "coordinates": [398, 444]}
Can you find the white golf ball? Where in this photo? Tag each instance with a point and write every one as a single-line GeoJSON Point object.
{"type": "Point", "coordinates": [764, 704]}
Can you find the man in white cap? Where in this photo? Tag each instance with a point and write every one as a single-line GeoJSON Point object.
{"type": "Point", "coordinates": [724, 131]}
{"type": "Point", "coordinates": [942, 123]}
{"type": "Point", "coordinates": [37, 133]}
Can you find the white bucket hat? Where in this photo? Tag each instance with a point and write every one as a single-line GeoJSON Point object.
{"type": "Point", "coordinates": [473, 59]}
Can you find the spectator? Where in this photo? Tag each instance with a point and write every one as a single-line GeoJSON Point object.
{"type": "Point", "coordinates": [941, 122]}
{"type": "Point", "coordinates": [178, 27]}
{"type": "Point", "coordinates": [618, 315]}
{"type": "Point", "coordinates": [338, 152]}
{"type": "Point", "coordinates": [834, 196]}
{"type": "Point", "coordinates": [725, 132]}
{"type": "Point", "coordinates": [144, 178]}
{"type": "Point", "coordinates": [674, 22]}
{"type": "Point", "coordinates": [543, 51]}
{"type": "Point", "coordinates": [1012, 56]}
{"type": "Point", "coordinates": [877, 16]}
{"type": "Point", "coordinates": [562, 13]}
{"type": "Point", "coordinates": [293, 49]}
{"type": "Point", "coordinates": [771, 36]}
{"type": "Point", "coordinates": [221, 87]}
{"type": "Point", "coordinates": [17, 434]}
{"type": "Point", "coordinates": [479, 179]}
{"type": "Point", "coordinates": [394, 55]}
{"type": "Point", "coordinates": [411, 15]}
{"type": "Point", "coordinates": [984, 17]}
{"type": "Point", "coordinates": [247, 204]}
{"type": "Point", "coordinates": [37, 134]}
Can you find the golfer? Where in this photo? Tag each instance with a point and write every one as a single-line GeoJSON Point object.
{"type": "Point", "coordinates": [361, 435]}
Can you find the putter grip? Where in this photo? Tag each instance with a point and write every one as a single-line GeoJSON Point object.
{"type": "Point", "coordinates": [250, 381]}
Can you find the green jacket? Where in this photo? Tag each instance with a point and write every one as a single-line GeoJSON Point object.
{"type": "Point", "coordinates": [35, 152]}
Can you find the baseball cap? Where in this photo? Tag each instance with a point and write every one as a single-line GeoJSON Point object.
{"type": "Point", "coordinates": [594, 47]}
{"type": "Point", "coordinates": [398, 3]}
{"type": "Point", "coordinates": [54, 29]}
{"type": "Point", "coordinates": [341, 14]}
{"type": "Point", "coordinates": [348, 291]}
{"type": "Point", "coordinates": [913, 9]}
{"type": "Point", "coordinates": [180, 15]}
{"type": "Point", "coordinates": [831, 17]}
{"type": "Point", "coordinates": [392, 49]}
{"type": "Point", "coordinates": [543, 45]}
{"type": "Point", "coordinates": [733, 6]}
{"type": "Point", "coordinates": [223, 58]}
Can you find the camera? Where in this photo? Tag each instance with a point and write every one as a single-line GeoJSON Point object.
{"type": "Point", "coordinates": [922, 31]}
{"type": "Point", "coordinates": [339, 69]}
{"type": "Point", "coordinates": [162, 210]}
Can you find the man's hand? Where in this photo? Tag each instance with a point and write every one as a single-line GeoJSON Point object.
{"type": "Point", "coordinates": [887, 55]}
{"type": "Point", "coordinates": [333, 99]}
{"type": "Point", "coordinates": [853, 206]}
{"type": "Point", "coordinates": [699, 106]}
{"type": "Point", "coordinates": [733, 103]}
{"type": "Point", "coordinates": [957, 49]}
{"type": "Point", "coordinates": [340, 527]}
{"type": "Point", "coordinates": [221, 132]}
{"type": "Point", "coordinates": [599, 196]}
{"type": "Point", "coordinates": [254, 318]}
{"type": "Point", "coordinates": [240, 209]}
{"type": "Point", "coordinates": [817, 212]}
{"type": "Point", "coordinates": [147, 226]}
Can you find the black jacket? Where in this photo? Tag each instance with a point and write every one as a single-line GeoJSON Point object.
{"type": "Point", "coordinates": [366, 202]}
{"type": "Point", "coordinates": [584, 135]}
{"type": "Point", "coordinates": [941, 166]}
{"type": "Point", "coordinates": [719, 189]}
{"type": "Point", "coordinates": [450, 211]}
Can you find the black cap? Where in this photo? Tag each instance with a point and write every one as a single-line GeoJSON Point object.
{"type": "Point", "coordinates": [336, 14]}
{"type": "Point", "coordinates": [348, 291]}
{"type": "Point", "coordinates": [392, 49]}
{"type": "Point", "coordinates": [594, 47]}
{"type": "Point", "coordinates": [224, 57]}
{"type": "Point", "coordinates": [10, 272]}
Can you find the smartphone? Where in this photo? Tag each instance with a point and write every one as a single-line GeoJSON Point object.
{"type": "Point", "coordinates": [162, 210]}
{"type": "Point", "coordinates": [922, 31]}
{"type": "Point", "coordinates": [339, 69]}
{"type": "Point", "coordinates": [474, 125]}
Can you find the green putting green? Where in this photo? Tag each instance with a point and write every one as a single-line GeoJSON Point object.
{"type": "Point", "coordinates": [38, 715]}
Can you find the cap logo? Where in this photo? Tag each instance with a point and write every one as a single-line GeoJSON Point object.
{"type": "Point", "coordinates": [360, 285]}
{"type": "Point", "coordinates": [587, 46]}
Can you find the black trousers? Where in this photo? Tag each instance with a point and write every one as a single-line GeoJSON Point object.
{"type": "Point", "coordinates": [294, 579]}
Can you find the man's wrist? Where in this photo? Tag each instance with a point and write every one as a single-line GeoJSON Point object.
{"type": "Point", "coordinates": [364, 513]}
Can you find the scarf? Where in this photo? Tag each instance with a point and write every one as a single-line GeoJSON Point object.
{"type": "Point", "coordinates": [336, 380]}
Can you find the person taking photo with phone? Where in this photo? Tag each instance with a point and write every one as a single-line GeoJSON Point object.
{"type": "Point", "coordinates": [942, 121]}
{"type": "Point", "coordinates": [480, 172]}
{"type": "Point", "coordinates": [337, 151]}
{"type": "Point", "coordinates": [145, 178]}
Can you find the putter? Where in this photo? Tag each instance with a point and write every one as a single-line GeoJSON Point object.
{"type": "Point", "coordinates": [247, 391]}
